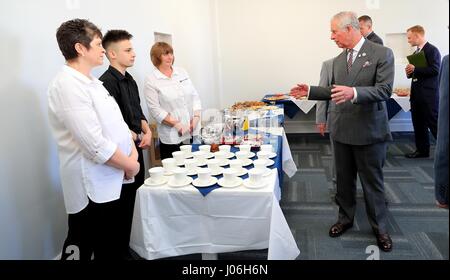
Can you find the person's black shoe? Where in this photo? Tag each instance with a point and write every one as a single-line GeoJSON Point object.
{"type": "Point", "coordinates": [384, 242]}
{"type": "Point", "coordinates": [338, 229]}
{"type": "Point", "coordinates": [417, 154]}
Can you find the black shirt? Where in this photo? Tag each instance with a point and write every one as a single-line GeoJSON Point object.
{"type": "Point", "coordinates": [124, 89]}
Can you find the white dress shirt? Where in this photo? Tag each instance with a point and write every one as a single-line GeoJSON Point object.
{"type": "Point", "coordinates": [88, 127]}
{"type": "Point", "coordinates": [175, 95]}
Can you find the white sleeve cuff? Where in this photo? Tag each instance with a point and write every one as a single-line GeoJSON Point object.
{"type": "Point", "coordinates": [355, 95]}
{"type": "Point", "coordinates": [104, 153]}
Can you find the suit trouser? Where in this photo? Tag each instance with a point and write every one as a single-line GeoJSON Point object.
{"type": "Point", "coordinates": [93, 230]}
{"type": "Point", "coordinates": [366, 161]}
{"type": "Point", "coordinates": [424, 117]}
{"type": "Point", "coordinates": [126, 205]}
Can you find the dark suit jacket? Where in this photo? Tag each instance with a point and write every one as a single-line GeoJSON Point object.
{"type": "Point", "coordinates": [375, 38]}
{"type": "Point", "coordinates": [425, 80]}
{"type": "Point", "coordinates": [364, 122]}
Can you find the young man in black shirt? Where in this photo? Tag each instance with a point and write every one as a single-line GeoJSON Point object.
{"type": "Point", "coordinates": [121, 85]}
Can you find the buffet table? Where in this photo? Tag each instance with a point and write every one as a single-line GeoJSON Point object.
{"type": "Point", "coordinates": [172, 221]}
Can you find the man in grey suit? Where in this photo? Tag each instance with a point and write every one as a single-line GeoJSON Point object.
{"type": "Point", "coordinates": [365, 26]}
{"type": "Point", "coordinates": [363, 76]}
{"type": "Point", "coordinates": [322, 111]}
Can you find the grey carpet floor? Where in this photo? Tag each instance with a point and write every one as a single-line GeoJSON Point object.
{"type": "Point", "coordinates": [420, 230]}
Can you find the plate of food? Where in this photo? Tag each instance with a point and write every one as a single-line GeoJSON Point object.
{"type": "Point", "coordinates": [277, 97]}
{"type": "Point", "coordinates": [402, 92]}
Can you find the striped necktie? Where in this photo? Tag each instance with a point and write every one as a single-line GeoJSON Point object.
{"type": "Point", "coordinates": [350, 60]}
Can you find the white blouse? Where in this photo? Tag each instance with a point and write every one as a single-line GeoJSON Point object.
{"type": "Point", "coordinates": [88, 127]}
{"type": "Point", "coordinates": [175, 95]}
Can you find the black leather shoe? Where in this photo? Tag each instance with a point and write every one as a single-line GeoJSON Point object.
{"type": "Point", "coordinates": [384, 242]}
{"type": "Point", "coordinates": [417, 154]}
{"type": "Point", "coordinates": [338, 229]}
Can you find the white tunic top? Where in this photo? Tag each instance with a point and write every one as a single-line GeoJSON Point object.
{"type": "Point", "coordinates": [88, 127]}
{"type": "Point", "coordinates": [175, 95]}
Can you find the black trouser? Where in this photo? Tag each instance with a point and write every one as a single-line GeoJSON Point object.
{"type": "Point", "coordinates": [166, 150]}
{"type": "Point", "coordinates": [126, 205]}
{"type": "Point", "coordinates": [93, 230]}
{"type": "Point", "coordinates": [424, 115]}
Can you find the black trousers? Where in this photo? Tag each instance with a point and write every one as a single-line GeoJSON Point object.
{"type": "Point", "coordinates": [166, 150]}
{"type": "Point", "coordinates": [126, 206]}
{"type": "Point", "coordinates": [424, 115]}
{"type": "Point", "coordinates": [93, 231]}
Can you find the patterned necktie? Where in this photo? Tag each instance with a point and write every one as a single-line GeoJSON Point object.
{"type": "Point", "coordinates": [350, 60]}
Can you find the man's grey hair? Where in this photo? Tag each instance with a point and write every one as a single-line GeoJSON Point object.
{"type": "Point", "coordinates": [347, 19]}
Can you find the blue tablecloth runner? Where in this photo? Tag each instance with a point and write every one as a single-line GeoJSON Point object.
{"type": "Point", "coordinates": [290, 109]}
{"type": "Point", "coordinates": [278, 164]}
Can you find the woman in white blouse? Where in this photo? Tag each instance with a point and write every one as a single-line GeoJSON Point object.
{"type": "Point", "coordinates": [172, 101]}
{"type": "Point", "coordinates": [95, 147]}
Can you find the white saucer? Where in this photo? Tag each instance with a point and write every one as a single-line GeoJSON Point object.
{"type": "Point", "coordinates": [224, 163]}
{"type": "Point", "coordinates": [249, 185]}
{"type": "Point", "coordinates": [235, 184]}
{"type": "Point", "coordinates": [251, 155]}
{"type": "Point", "coordinates": [217, 172]}
{"type": "Point", "coordinates": [241, 172]}
{"type": "Point", "coordinates": [187, 182]}
{"type": "Point", "coordinates": [192, 172]}
{"type": "Point", "coordinates": [198, 184]}
{"type": "Point", "coordinates": [201, 163]}
{"type": "Point", "coordinates": [168, 173]}
{"type": "Point", "coordinates": [210, 155]}
{"type": "Point", "coordinates": [246, 162]}
{"type": "Point", "coordinates": [151, 183]}
{"type": "Point", "coordinates": [270, 162]}
{"type": "Point", "coordinates": [229, 155]}
{"type": "Point", "coordinates": [273, 155]}
{"type": "Point", "coordinates": [188, 156]}
{"type": "Point", "coordinates": [180, 163]}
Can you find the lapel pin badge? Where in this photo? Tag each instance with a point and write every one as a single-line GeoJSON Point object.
{"type": "Point", "coordinates": [364, 54]}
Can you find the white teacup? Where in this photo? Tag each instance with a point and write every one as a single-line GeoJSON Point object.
{"type": "Point", "coordinates": [256, 176]}
{"type": "Point", "coordinates": [241, 155]}
{"type": "Point", "coordinates": [260, 164]}
{"type": "Point", "coordinates": [263, 155]}
{"type": "Point", "coordinates": [156, 174]}
{"type": "Point", "coordinates": [267, 148]}
{"type": "Point", "coordinates": [236, 164]}
{"type": "Point", "coordinates": [205, 148]}
{"type": "Point", "coordinates": [220, 155]}
{"type": "Point", "coordinates": [191, 164]}
{"type": "Point", "coordinates": [169, 164]}
{"type": "Point", "coordinates": [180, 175]}
{"type": "Point", "coordinates": [225, 148]}
{"type": "Point", "coordinates": [229, 176]}
{"type": "Point", "coordinates": [179, 156]}
{"type": "Point", "coordinates": [245, 148]}
{"type": "Point", "coordinates": [204, 175]}
{"type": "Point", "coordinates": [187, 149]}
{"type": "Point", "coordinates": [213, 164]}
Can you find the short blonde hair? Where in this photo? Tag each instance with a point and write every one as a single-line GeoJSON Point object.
{"type": "Point", "coordinates": [158, 50]}
{"type": "Point", "coordinates": [417, 29]}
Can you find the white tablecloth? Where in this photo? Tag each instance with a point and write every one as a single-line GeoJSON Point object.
{"type": "Point", "coordinates": [403, 101]}
{"type": "Point", "coordinates": [304, 105]}
{"type": "Point", "coordinates": [178, 221]}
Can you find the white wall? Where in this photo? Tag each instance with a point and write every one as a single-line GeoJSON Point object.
{"type": "Point", "coordinates": [32, 214]}
{"type": "Point", "coordinates": [267, 46]}
{"type": "Point", "coordinates": [233, 49]}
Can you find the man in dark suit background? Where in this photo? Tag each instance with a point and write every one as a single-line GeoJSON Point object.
{"type": "Point", "coordinates": [365, 27]}
{"type": "Point", "coordinates": [363, 76]}
{"type": "Point", "coordinates": [424, 92]}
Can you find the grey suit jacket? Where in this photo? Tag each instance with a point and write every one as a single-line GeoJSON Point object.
{"type": "Point", "coordinates": [375, 38]}
{"type": "Point", "coordinates": [365, 121]}
{"type": "Point", "coordinates": [326, 76]}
